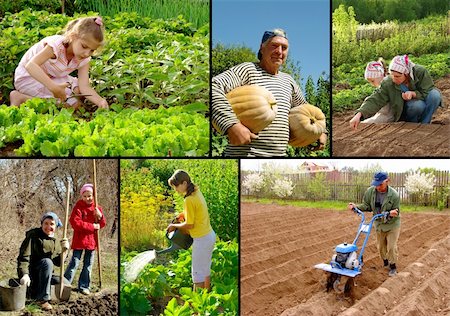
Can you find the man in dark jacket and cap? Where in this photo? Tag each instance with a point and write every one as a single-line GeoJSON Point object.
{"type": "Point", "coordinates": [39, 252]}
{"type": "Point", "coordinates": [380, 198]}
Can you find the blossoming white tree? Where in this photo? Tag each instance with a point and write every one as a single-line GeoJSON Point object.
{"type": "Point", "coordinates": [253, 183]}
{"type": "Point", "coordinates": [420, 184]}
{"type": "Point", "coordinates": [283, 187]}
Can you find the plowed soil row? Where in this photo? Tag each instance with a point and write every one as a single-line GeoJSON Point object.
{"type": "Point", "coordinates": [398, 139]}
{"type": "Point", "coordinates": [277, 259]}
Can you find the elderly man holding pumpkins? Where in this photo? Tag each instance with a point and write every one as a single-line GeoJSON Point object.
{"type": "Point", "coordinates": [262, 109]}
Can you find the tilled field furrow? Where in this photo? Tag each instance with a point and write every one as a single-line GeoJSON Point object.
{"type": "Point", "coordinates": [249, 257]}
{"type": "Point", "coordinates": [422, 137]}
{"type": "Point", "coordinates": [259, 216]}
{"type": "Point", "coordinates": [281, 247]}
{"type": "Point", "coordinates": [420, 289]}
{"type": "Point", "coordinates": [278, 274]}
{"type": "Point", "coordinates": [284, 219]}
{"type": "Point", "coordinates": [304, 290]}
{"type": "Point", "coordinates": [409, 252]}
{"type": "Point", "coordinates": [261, 239]}
{"type": "Point", "coordinates": [272, 261]}
{"type": "Point", "coordinates": [392, 139]}
{"type": "Point", "coordinates": [373, 130]}
{"type": "Point", "coordinates": [265, 295]}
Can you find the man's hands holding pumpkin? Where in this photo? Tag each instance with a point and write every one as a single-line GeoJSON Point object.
{"type": "Point", "coordinates": [238, 134]}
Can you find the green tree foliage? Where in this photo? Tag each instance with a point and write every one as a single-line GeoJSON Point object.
{"type": "Point", "coordinates": [217, 179]}
{"type": "Point", "coordinates": [293, 68]}
{"type": "Point", "coordinates": [318, 186]}
{"type": "Point", "coordinates": [387, 39]}
{"type": "Point", "coordinates": [401, 10]}
{"type": "Point", "coordinates": [344, 24]}
{"type": "Point", "coordinates": [52, 6]}
{"type": "Point", "coordinates": [226, 56]}
{"type": "Point", "coordinates": [323, 96]}
{"type": "Point", "coordinates": [310, 91]}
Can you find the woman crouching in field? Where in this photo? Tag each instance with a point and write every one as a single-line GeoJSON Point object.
{"type": "Point", "coordinates": [196, 223]}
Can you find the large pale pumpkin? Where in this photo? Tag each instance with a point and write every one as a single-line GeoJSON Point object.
{"type": "Point", "coordinates": [254, 106]}
{"type": "Point", "coordinates": [306, 124]}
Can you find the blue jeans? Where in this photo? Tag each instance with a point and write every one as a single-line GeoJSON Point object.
{"type": "Point", "coordinates": [85, 277]}
{"type": "Point", "coordinates": [418, 111]}
{"type": "Point", "coordinates": [41, 275]}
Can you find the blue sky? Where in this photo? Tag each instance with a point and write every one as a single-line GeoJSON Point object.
{"type": "Point", "coordinates": [307, 23]}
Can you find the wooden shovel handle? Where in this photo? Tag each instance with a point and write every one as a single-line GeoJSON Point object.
{"type": "Point", "coordinates": [97, 235]}
{"type": "Point", "coordinates": [61, 274]}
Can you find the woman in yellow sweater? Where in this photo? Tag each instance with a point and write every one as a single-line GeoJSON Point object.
{"type": "Point", "coordinates": [196, 223]}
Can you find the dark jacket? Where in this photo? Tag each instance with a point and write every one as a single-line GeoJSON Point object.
{"type": "Point", "coordinates": [391, 202]}
{"type": "Point", "coordinates": [36, 246]}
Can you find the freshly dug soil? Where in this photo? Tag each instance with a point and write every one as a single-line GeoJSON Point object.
{"type": "Point", "coordinates": [98, 304]}
{"type": "Point", "coordinates": [102, 303]}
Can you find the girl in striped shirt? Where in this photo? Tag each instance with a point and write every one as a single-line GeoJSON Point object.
{"type": "Point", "coordinates": [44, 69]}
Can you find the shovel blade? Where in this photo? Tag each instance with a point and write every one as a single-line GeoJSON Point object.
{"type": "Point", "coordinates": [67, 289]}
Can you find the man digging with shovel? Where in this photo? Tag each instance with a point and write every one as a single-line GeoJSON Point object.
{"type": "Point", "coordinates": [39, 252]}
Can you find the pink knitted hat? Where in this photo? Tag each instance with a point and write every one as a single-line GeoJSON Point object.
{"type": "Point", "coordinates": [403, 65]}
{"type": "Point", "coordinates": [87, 187]}
{"type": "Point", "coordinates": [374, 69]}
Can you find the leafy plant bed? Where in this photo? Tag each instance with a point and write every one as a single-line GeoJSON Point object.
{"type": "Point", "coordinates": [48, 131]}
{"type": "Point", "coordinates": [154, 73]}
{"type": "Point", "coordinates": [171, 285]}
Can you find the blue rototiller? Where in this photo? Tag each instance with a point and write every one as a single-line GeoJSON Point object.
{"type": "Point", "coordinates": [347, 262]}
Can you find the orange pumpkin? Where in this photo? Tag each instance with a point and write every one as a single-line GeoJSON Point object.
{"type": "Point", "coordinates": [306, 124]}
{"type": "Point", "coordinates": [254, 106]}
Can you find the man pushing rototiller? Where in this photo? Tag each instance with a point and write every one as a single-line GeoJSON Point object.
{"type": "Point", "coordinates": [347, 262]}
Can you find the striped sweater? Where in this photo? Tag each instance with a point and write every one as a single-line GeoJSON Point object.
{"type": "Point", "coordinates": [272, 140]}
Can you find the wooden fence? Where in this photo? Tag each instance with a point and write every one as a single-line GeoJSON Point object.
{"type": "Point", "coordinates": [351, 186]}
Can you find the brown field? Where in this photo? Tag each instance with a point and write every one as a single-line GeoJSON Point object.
{"type": "Point", "coordinates": [281, 244]}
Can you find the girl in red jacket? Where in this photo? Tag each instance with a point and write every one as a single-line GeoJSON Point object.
{"type": "Point", "coordinates": [85, 220]}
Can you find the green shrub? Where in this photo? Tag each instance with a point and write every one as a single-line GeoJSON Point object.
{"type": "Point", "coordinates": [52, 6]}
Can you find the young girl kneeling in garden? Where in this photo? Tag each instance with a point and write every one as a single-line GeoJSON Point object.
{"type": "Point", "coordinates": [44, 69]}
{"type": "Point", "coordinates": [85, 219]}
{"type": "Point", "coordinates": [375, 73]}
{"type": "Point", "coordinates": [198, 225]}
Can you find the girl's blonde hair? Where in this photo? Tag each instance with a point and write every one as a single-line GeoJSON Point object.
{"type": "Point", "coordinates": [178, 177]}
{"type": "Point", "coordinates": [85, 27]}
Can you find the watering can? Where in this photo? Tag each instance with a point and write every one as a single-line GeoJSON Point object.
{"type": "Point", "coordinates": [178, 240]}
{"type": "Point", "coordinates": [12, 295]}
